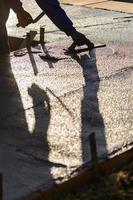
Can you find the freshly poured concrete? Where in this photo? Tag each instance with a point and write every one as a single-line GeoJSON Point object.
{"type": "Point", "coordinates": [50, 107]}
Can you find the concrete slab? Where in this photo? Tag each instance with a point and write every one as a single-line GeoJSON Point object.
{"type": "Point", "coordinates": [113, 5]}
{"type": "Point", "coordinates": [47, 117]}
{"type": "Point", "coordinates": [50, 107]}
{"type": "Point", "coordinates": [107, 4]}
{"type": "Point", "coordinates": [80, 2]}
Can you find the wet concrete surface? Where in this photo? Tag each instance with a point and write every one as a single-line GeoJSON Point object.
{"type": "Point", "coordinates": [50, 107]}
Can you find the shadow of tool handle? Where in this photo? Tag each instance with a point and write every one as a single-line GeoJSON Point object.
{"type": "Point", "coordinates": [93, 149]}
{"type": "Point", "coordinates": [94, 157]}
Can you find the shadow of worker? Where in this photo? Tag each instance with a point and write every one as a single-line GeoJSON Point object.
{"type": "Point", "coordinates": [11, 105]}
{"type": "Point", "coordinates": [41, 108]}
{"type": "Point", "coordinates": [13, 127]}
{"type": "Point", "coordinates": [23, 158]}
{"type": "Point", "coordinates": [42, 113]}
{"type": "Point", "coordinates": [91, 118]}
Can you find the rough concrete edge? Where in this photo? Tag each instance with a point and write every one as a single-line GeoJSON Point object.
{"type": "Point", "coordinates": [120, 11]}
{"type": "Point", "coordinates": [107, 167]}
{"type": "Point", "coordinates": [95, 7]}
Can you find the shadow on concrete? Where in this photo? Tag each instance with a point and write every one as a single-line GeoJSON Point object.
{"type": "Point", "coordinates": [42, 118]}
{"type": "Point", "coordinates": [91, 118]}
{"type": "Point", "coordinates": [41, 104]}
{"type": "Point", "coordinates": [15, 134]}
{"type": "Point", "coordinates": [50, 63]}
{"type": "Point", "coordinates": [10, 100]}
{"type": "Point", "coordinates": [33, 62]}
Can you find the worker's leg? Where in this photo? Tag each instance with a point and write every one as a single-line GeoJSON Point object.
{"type": "Point", "coordinates": [57, 15]}
{"type": "Point", "coordinates": [4, 12]}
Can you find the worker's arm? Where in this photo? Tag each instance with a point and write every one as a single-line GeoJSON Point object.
{"type": "Point", "coordinates": [24, 18]}
{"type": "Point", "coordinates": [15, 5]}
{"type": "Point", "coordinates": [58, 16]}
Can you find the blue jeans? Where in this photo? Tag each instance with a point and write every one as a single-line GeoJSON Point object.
{"type": "Point", "coordinates": [57, 15]}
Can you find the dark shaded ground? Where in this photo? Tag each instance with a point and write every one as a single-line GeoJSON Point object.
{"type": "Point", "coordinates": [118, 186]}
{"type": "Point", "coordinates": [13, 123]}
